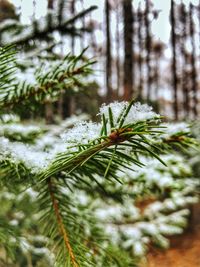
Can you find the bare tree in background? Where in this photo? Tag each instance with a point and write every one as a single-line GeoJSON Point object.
{"type": "Point", "coordinates": [128, 49]}
{"type": "Point", "coordinates": [61, 97]}
{"type": "Point", "coordinates": [83, 25]}
{"type": "Point", "coordinates": [184, 53]}
{"type": "Point", "coordinates": [140, 16]}
{"type": "Point", "coordinates": [157, 48]}
{"type": "Point", "coordinates": [61, 6]}
{"type": "Point", "coordinates": [193, 62]}
{"type": "Point", "coordinates": [108, 53]}
{"type": "Point", "coordinates": [117, 35]}
{"type": "Point", "coordinates": [50, 4]}
{"type": "Point", "coordinates": [198, 9]}
{"type": "Point", "coordinates": [49, 114]}
{"type": "Point", "coordinates": [71, 100]}
{"type": "Point", "coordinates": [174, 62]}
{"type": "Point", "coordinates": [72, 11]}
{"type": "Point", "coordinates": [148, 49]}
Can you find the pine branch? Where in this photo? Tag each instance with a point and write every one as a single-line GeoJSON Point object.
{"type": "Point", "coordinates": [67, 163]}
{"type": "Point", "coordinates": [92, 154]}
{"type": "Point", "coordinates": [62, 228]}
{"type": "Point", "coordinates": [28, 92]}
{"type": "Point", "coordinates": [176, 136]}
{"type": "Point", "coordinates": [76, 242]}
{"type": "Point", "coordinates": [7, 67]}
{"type": "Point", "coordinates": [10, 170]}
{"type": "Point", "coordinates": [7, 234]}
{"type": "Point", "coordinates": [63, 76]}
{"type": "Point", "coordinates": [37, 33]}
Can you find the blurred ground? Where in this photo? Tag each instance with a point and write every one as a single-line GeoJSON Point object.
{"type": "Point", "coordinates": [185, 249]}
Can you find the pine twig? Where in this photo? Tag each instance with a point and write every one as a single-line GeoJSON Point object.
{"type": "Point", "coordinates": [61, 226]}
{"type": "Point", "coordinates": [35, 91]}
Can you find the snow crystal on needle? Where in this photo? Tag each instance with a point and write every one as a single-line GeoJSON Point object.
{"type": "Point", "coordinates": [116, 107]}
{"type": "Point", "coordinates": [82, 133]}
{"type": "Point", "coordinates": [138, 111]}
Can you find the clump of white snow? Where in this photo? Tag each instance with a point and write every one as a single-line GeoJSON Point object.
{"type": "Point", "coordinates": [138, 112]}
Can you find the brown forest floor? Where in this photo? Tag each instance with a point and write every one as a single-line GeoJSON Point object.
{"type": "Point", "coordinates": [184, 250]}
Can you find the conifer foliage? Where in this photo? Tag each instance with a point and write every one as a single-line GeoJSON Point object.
{"type": "Point", "coordinates": [73, 191]}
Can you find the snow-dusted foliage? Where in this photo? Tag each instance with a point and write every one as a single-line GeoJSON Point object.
{"type": "Point", "coordinates": [153, 200]}
{"type": "Point", "coordinates": [143, 218]}
{"type": "Point", "coordinates": [45, 148]}
{"type": "Point", "coordinates": [102, 191]}
{"type": "Point", "coordinates": [173, 129]}
{"type": "Point", "coordinates": [82, 133]}
{"type": "Point", "coordinates": [9, 118]}
{"type": "Point", "coordinates": [138, 112]}
{"type": "Point", "coordinates": [20, 132]}
{"type": "Point", "coordinates": [38, 146]}
{"type": "Point", "coordinates": [22, 153]}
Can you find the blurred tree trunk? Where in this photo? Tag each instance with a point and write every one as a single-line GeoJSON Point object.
{"type": "Point", "coordinates": [61, 10]}
{"type": "Point", "coordinates": [50, 4]}
{"type": "Point", "coordinates": [108, 54]}
{"type": "Point", "coordinates": [140, 55]}
{"type": "Point", "coordinates": [71, 103]}
{"type": "Point", "coordinates": [128, 49]}
{"type": "Point", "coordinates": [148, 50]}
{"type": "Point", "coordinates": [72, 11]}
{"type": "Point", "coordinates": [61, 105]}
{"type": "Point", "coordinates": [157, 49]}
{"type": "Point", "coordinates": [199, 21]}
{"type": "Point", "coordinates": [61, 97]}
{"type": "Point", "coordinates": [185, 80]}
{"type": "Point", "coordinates": [83, 25]}
{"type": "Point", "coordinates": [118, 72]}
{"type": "Point", "coordinates": [174, 62]}
{"type": "Point", "coordinates": [193, 62]}
{"type": "Point", "coordinates": [49, 114]}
